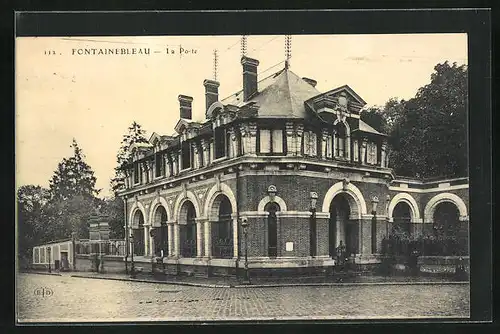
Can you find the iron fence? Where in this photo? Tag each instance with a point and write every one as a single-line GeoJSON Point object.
{"type": "Point", "coordinates": [107, 247]}
{"type": "Point", "coordinates": [425, 246]}
{"type": "Point", "coordinates": [188, 248]}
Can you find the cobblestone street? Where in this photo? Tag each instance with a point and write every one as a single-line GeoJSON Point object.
{"type": "Point", "coordinates": [66, 299]}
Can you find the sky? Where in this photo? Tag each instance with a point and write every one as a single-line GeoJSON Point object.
{"type": "Point", "coordinates": [61, 95]}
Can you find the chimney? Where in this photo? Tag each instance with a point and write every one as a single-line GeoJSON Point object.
{"type": "Point", "coordinates": [185, 106]}
{"type": "Point", "coordinates": [211, 92]}
{"type": "Point", "coordinates": [310, 81]}
{"type": "Point", "coordinates": [249, 77]}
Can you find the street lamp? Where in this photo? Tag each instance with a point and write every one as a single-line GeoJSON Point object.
{"type": "Point", "coordinates": [244, 225]}
{"type": "Point", "coordinates": [132, 268]}
{"type": "Point", "coordinates": [374, 224]}
{"type": "Point", "coordinates": [312, 228]}
{"type": "Point", "coordinates": [48, 254]}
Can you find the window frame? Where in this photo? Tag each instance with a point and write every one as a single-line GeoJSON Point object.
{"type": "Point", "coordinates": [190, 155]}
{"type": "Point", "coordinates": [159, 155]}
{"type": "Point", "coordinates": [220, 131]}
{"type": "Point", "coordinates": [271, 148]}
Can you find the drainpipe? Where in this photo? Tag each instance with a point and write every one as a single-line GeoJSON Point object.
{"type": "Point", "coordinates": [126, 233]}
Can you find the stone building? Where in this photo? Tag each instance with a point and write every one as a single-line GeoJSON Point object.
{"type": "Point", "coordinates": [299, 165]}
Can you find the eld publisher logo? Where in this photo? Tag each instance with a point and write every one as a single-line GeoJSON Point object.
{"type": "Point", "coordinates": [43, 292]}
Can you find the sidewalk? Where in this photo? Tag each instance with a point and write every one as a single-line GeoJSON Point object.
{"type": "Point", "coordinates": [221, 282]}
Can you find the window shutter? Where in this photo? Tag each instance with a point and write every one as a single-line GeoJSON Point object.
{"type": "Point", "coordinates": [277, 141]}
{"type": "Point", "coordinates": [265, 141]}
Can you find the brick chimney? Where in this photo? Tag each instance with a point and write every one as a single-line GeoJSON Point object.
{"type": "Point", "coordinates": [310, 81]}
{"type": "Point", "coordinates": [211, 92]}
{"type": "Point", "coordinates": [249, 77]}
{"type": "Point", "coordinates": [185, 106]}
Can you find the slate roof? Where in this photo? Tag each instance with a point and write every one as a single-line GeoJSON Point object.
{"type": "Point", "coordinates": [280, 95]}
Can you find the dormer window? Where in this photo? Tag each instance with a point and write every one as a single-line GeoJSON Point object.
{"type": "Point", "coordinates": [221, 142]}
{"type": "Point", "coordinates": [159, 165]}
{"type": "Point", "coordinates": [271, 141]}
{"type": "Point", "coordinates": [186, 155]}
{"type": "Point", "coordinates": [137, 173]}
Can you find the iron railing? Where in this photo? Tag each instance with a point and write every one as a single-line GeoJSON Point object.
{"type": "Point", "coordinates": [188, 248]}
{"type": "Point", "coordinates": [106, 247]}
{"type": "Point", "coordinates": [425, 246]}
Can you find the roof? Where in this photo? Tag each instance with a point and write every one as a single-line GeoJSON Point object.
{"type": "Point", "coordinates": [366, 128]}
{"type": "Point", "coordinates": [280, 95]}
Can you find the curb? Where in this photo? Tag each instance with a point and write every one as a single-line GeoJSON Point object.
{"type": "Point", "coordinates": [40, 273]}
{"type": "Point", "coordinates": [202, 285]}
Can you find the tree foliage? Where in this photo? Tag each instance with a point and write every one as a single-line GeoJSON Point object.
{"type": "Point", "coordinates": [73, 177]}
{"type": "Point", "coordinates": [135, 134]}
{"type": "Point", "coordinates": [428, 133]}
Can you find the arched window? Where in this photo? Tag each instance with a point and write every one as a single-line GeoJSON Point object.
{"type": "Point", "coordinates": [402, 219]}
{"type": "Point", "coordinates": [138, 233]}
{"type": "Point", "coordinates": [446, 219]}
{"type": "Point", "coordinates": [272, 229]}
{"type": "Point", "coordinates": [222, 230]}
{"type": "Point", "coordinates": [160, 234]}
{"type": "Point", "coordinates": [188, 230]}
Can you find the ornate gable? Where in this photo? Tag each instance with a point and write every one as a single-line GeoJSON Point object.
{"type": "Point", "coordinates": [340, 101]}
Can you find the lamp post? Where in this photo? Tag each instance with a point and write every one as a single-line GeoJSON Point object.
{"type": "Point", "coordinates": [312, 228]}
{"type": "Point", "coordinates": [374, 224]}
{"type": "Point", "coordinates": [132, 268]}
{"type": "Point", "coordinates": [73, 243]}
{"type": "Point", "coordinates": [48, 254]}
{"type": "Point", "coordinates": [244, 225]}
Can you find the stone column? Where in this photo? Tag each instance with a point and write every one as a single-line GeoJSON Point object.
{"type": "Point", "coordinates": [289, 131]}
{"type": "Point", "coordinates": [171, 246]}
{"type": "Point", "coordinates": [356, 150]}
{"type": "Point", "coordinates": [146, 240]}
{"type": "Point", "coordinates": [151, 243]}
{"type": "Point", "coordinates": [252, 130]}
{"type": "Point", "coordinates": [199, 237]}
{"type": "Point", "coordinates": [364, 143]}
{"type": "Point", "coordinates": [234, 143]}
{"type": "Point", "coordinates": [244, 139]}
{"type": "Point", "coordinates": [174, 164]}
{"type": "Point", "coordinates": [167, 165]}
{"type": "Point", "coordinates": [205, 146]}
{"type": "Point", "coordinates": [324, 139]}
{"type": "Point", "coordinates": [348, 146]}
{"type": "Point", "coordinates": [212, 150]}
{"type": "Point", "coordinates": [197, 156]}
{"type": "Point", "coordinates": [382, 154]}
{"type": "Point", "coordinates": [177, 240]}
{"type": "Point", "coordinates": [235, 237]}
{"type": "Point", "coordinates": [208, 239]}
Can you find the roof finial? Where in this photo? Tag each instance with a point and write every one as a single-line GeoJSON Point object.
{"type": "Point", "coordinates": [243, 45]}
{"type": "Point", "coordinates": [288, 50]}
{"type": "Point", "coordinates": [216, 62]}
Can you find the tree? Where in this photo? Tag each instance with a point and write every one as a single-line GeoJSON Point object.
{"type": "Point", "coordinates": [383, 119]}
{"type": "Point", "coordinates": [31, 201]}
{"type": "Point", "coordinates": [73, 177]}
{"type": "Point", "coordinates": [113, 208]}
{"type": "Point", "coordinates": [134, 135]}
{"type": "Point", "coordinates": [429, 135]}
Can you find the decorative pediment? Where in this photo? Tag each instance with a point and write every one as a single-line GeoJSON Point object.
{"type": "Point", "coordinates": [340, 101]}
{"type": "Point", "coordinates": [187, 129]}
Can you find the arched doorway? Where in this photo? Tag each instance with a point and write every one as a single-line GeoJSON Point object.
{"type": "Point", "coordinates": [138, 233]}
{"type": "Point", "coordinates": [160, 231]}
{"type": "Point", "coordinates": [272, 229]}
{"type": "Point", "coordinates": [222, 229]}
{"type": "Point", "coordinates": [187, 227]}
{"type": "Point", "coordinates": [446, 220]}
{"type": "Point", "coordinates": [340, 229]}
{"type": "Point", "coordinates": [402, 219]}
